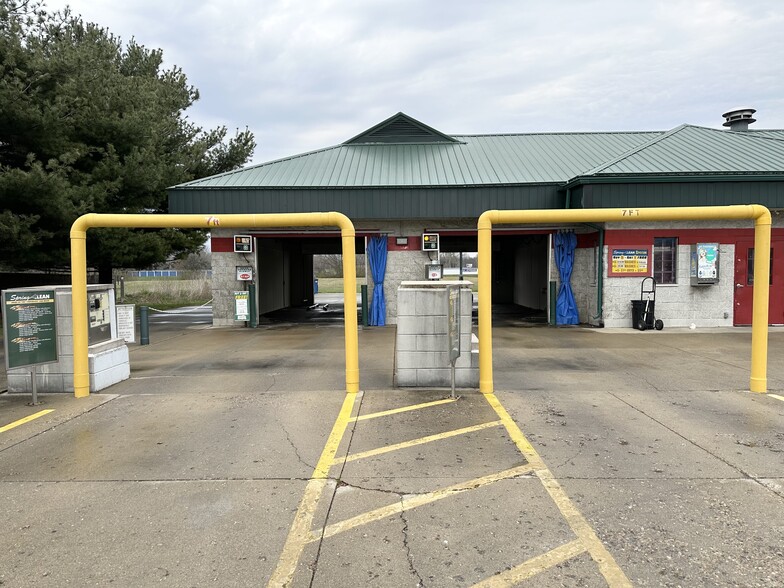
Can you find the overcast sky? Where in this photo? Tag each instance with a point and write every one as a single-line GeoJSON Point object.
{"type": "Point", "coordinates": [308, 74]}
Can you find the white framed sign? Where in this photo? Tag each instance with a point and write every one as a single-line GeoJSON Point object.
{"type": "Point", "coordinates": [245, 273]}
{"type": "Point", "coordinates": [126, 323]}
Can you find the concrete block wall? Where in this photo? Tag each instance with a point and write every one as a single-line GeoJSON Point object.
{"type": "Point", "coordinates": [678, 305]}
{"type": "Point", "coordinates": [402, 266]}
{"type": "Point", "coordinates": [421, 345]}
{"type": "Point", "coordinates": [224, 282]}
{"type": "Point", "coordinates": [109, 363]}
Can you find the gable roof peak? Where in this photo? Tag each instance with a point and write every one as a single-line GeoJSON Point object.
{"type": "Point", "coordinates": [400, 128]}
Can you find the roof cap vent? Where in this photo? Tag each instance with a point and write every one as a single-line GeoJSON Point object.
{"type": "Point", "coordinates": [739, 119]}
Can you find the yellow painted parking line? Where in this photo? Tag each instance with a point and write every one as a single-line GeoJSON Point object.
{"type": "Point", "coordinates": [299, 533]}
{"type": "Point", "coordinates": [534, 566]}
{"type": "Point", "coordinates": [376, 415]}
{"type": "Point", "coordinates": [415, 442]}
{"type": "Point", "coordinates": [414, 501]}
{"type": "Point", "coordinates": [612, 573]}
{"type": "Point", "coordinates": [27, 419]}
{"type": "Point", "coordinates": [777, 397]}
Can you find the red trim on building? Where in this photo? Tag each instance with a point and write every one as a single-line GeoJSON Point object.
{"type": "Point", "coordinates": [222, 244]}
{"type": "Point", "coordinates": [587, 240]}
{"type": "Point", "coordinates": [685, 236]}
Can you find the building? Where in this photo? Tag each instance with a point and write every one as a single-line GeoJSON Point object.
{"type": "Point", "coordinates": [401, 179]}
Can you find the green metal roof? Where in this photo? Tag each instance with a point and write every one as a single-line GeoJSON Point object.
{"type": "Point", "coordinates": [400, 128]}
{"type": "Point", "coordinates": [691, 150]}
{"type": "Point", "coordinates": [474, 160]}
{"type": "Point", "coordinates": [401, 168]}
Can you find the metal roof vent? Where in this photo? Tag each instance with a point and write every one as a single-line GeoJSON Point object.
{"type": "Point", "coordinates": [739, 119]}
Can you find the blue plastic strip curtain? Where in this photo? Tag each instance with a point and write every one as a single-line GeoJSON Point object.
{"type": "Point", "coordinates": [565, 306]}
{"type": "Point", "coordinates": [377, 256]}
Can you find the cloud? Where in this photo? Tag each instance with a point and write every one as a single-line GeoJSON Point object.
{"type": "Point", "coordinates": [307, 75]}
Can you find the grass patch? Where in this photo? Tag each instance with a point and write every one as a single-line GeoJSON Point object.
{"type": "Point", "coordinates": [167, 293]}
{"type": "Point", "coordinates": [473, 279]}
{"type": "Point", "coordinates": [335, 285]}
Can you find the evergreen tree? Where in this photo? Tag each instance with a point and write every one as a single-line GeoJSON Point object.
{"type": "Point", "coordinates": [89, 124]}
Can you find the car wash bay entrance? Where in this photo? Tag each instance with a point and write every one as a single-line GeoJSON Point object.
{"type": "Point", "coordinates": [520, 268]}
{"type": "Point", "coordinates": [283, 264]}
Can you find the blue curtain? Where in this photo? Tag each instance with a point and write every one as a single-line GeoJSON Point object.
{"type": "Point", "coordinates": [565, 307]}
{"type": "Point", "coordinates": [377, 256]}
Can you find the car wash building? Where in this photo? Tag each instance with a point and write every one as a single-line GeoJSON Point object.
{"type": "Point", "coordinates": [402, 179]}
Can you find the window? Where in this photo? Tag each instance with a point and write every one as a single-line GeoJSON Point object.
{"type": "Point", "coordinates": [750, 267]}
{"type": "Point", "coordinates": [665, 260]}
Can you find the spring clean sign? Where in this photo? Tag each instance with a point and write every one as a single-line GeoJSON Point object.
{"type": "Point", "coordinates": [30, 327]}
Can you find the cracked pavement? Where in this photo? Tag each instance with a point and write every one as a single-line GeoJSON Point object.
{"type": "Point", "coordinates": [191, 472]}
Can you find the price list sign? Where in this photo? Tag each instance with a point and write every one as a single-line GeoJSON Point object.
{"type": "Point", "coordinates": [30, 327]}
{"type": "Point", "coordinates": [629, 262]}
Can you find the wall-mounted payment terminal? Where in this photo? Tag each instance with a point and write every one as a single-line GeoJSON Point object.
{"type": "Point", "coordinates": [430, 242]}
{"type": "Point", "coordinates": [243, 244]}
{"type": "Point", "coordinates": [704, 264]}
{"type": "Point", "coordinates": [100, 315]}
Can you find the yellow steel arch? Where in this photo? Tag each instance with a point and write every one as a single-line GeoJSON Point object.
{"type": "Point", "coordinates": [200, 221]}
{"type": "Point", "coordinates": [762, 222]}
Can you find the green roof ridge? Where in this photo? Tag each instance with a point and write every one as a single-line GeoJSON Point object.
{"type": "Point", "coordinates": [398, 118]}
{"type": "Point", "coordinates": [636, 150]}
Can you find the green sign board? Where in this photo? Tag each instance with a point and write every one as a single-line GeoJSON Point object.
{"type": "Point", "coordinates": [30, 327]}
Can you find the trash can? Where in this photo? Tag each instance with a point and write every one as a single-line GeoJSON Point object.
{"type": "Point", "coordinates": [638, 314]}
{"type": "Point", "coordinates": [315, 285]}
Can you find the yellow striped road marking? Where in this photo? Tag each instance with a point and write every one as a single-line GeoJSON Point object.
{"type": "Point", "coordinates": [534, 566]}
{"type": "Point", "coordinates": [27, 419]}
{"type": "Point", "coordinates": [415, 442]}
{"type": "Point", "coordinates": [376, 415]}
{"type": "Point", "coordinates": [409, 502]}
{"type": "Point", "coordinates": [777, 397]}
{"type": "Point", "coordinates": [300, 529]}
{"type": "Point", "coordinates": [607, 565]}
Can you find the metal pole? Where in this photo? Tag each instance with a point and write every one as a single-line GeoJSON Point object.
{"type": "Point", "coordinates": [254, 317]}
{"type": "Point", "coordinates": [759, 317]}
{"type": "Point", "coordinates": [144, 325]}
{"type": "Point", "coordinates": [349, 299]}
{"type": "Point", "coordinates": [453, 379]}
{"type": "Point", "coordinates": [79, 312]}
{"type": "Point", "coordinates": [485, 309]}
{"type": "Point", "coordinates": [364, 290]}
{"type": "Point", "coordinates": [35, 388]}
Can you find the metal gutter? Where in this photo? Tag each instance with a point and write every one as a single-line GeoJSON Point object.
{"type": "Point", "coordinates": [672, 179]}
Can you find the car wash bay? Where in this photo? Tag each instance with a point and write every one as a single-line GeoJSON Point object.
{"type": "Point", "coordinates": [193, 470]}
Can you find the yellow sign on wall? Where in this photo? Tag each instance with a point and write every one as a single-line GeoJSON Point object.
{"type": "Point", "coordinates": [629, 261]}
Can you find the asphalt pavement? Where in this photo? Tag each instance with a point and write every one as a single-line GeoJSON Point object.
{"type": "Point", "coordinates": [233, 457]}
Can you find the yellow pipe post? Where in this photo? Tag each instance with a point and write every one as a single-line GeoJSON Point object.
{"type": "Point", "coordinates": [349, 302]}
{"type": "Point", "coordinates": [760, 214]}
{"type": "Point", "coordinates": [200, 221]}
{"type": "Point", "coordinates": [760, 308]}
{"type": "Point", "coordinates": [485, 303]}
{"type": "Point", "coordinates": [79, 313]}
